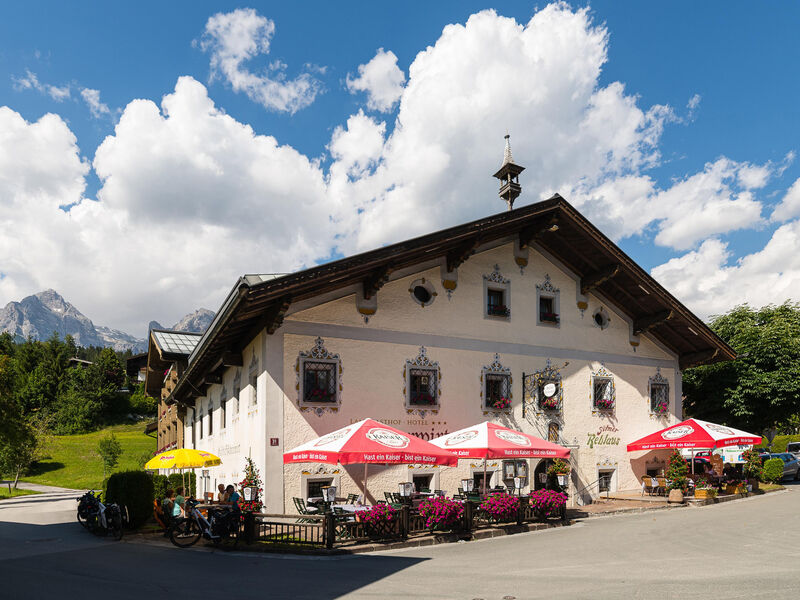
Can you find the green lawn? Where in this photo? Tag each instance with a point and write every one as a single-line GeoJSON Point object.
{"type": "Point", "coordinates": [73, 461]}
{"type": "Point", "coordinates": [14, 493]}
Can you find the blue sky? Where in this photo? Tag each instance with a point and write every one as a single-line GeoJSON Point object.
{"type": "Point", "coordinates": [736, 65]}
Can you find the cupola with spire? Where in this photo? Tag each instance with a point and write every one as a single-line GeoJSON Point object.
{"type": "Point", "coordinates": [509, 176]}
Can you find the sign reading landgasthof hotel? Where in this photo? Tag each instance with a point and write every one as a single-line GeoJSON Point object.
{"type": "Point", "coordinates": [603, 437]}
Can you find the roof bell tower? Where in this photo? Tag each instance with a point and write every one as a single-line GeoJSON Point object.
{"type": "Point", "coordinates": [509, 177]}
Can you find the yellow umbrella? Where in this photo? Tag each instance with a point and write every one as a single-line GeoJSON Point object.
{"type": "Point", "coordinates": [183, 458]}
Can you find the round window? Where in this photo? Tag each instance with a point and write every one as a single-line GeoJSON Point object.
{"type": "Point", "coordinates": [600, 318]}
{"type": "Point", "coordinates": [422, 291]}
{"type": "Point", "coordinates": [422, 294]}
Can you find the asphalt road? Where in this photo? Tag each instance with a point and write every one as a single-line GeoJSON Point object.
{"type": "Point", "coordinates": [744, 549]}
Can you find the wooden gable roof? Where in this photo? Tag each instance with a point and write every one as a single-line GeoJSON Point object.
{"type": "Point", "coordinates": [258, 303]}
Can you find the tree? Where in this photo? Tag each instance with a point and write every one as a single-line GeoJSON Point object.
{"type": "Point", "coordinates": [17, 453]}
{"type": "Point", "coordinates": [109, 450]}
{"type": "Point", "coordinates": [761, 388]}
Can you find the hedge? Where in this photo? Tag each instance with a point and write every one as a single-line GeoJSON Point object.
{"type": "Point", "coordinates": [134, 489]}
{"type": "Point", "coordinates": [162, 483]}
{"type": "Point", "coordinates": [779, 443]}
{"type": "Point", "coordinates": [773, 470]}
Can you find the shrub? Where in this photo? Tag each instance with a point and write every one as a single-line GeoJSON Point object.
{"type": "Point", "coordinates": [188, 480]}
{"type": "Point", "coordinates": [160, 486]}
{"type": "Point", "coordinates": [548, 503]}
{"type": "Point", "coordinates": [501, 507]}
{"type": "Point", "coordinates": [441, 513]}
{"type": "Point", "coordinates": [773, 470]}
{"type": "Point", "coordinates": [134, 489]}
{"type": "Point", "coordinates": [677, 471]}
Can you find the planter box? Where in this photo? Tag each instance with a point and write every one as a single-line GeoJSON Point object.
{"type": "Point", "coordinates": [736, 489]}
{"type": "Point", "coordinates": [705, 494]}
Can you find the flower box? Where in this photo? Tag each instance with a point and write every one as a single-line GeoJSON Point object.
{"type": "Point", "coordinates": [498, 311]}
{"type": "Point", "coordinates": [705, 493]}
{"type": "Point", "coordinates": [739, 488]}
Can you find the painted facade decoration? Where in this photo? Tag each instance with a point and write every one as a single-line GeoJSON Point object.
{"type": "Point", "coordinates": [496, 386]}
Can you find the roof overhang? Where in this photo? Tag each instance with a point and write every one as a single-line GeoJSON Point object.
{"type": "Point", "coordinates": [258, 304]}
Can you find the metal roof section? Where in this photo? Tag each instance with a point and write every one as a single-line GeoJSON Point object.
{"type": "Point", "coordinates": [176, 342]}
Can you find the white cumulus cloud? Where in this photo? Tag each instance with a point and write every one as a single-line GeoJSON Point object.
{"type": "Point", "coordinates": [381, 79]}
{"type": "Point", "coordinates": [96, 107]}
{"type": "Point", "coordinates": [191, 198]}
{"type": "Point", "coordinates": [31, 82]}
{"type": "Point", "coordinates": [236, 37]}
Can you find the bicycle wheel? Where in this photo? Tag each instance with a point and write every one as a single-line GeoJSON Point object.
{"type": "Point", "coordinates": [82, 520]}
{"type": "Point", "coordinates": [185, 533]}
{"type": "Point", "coordinates": [115, 525]}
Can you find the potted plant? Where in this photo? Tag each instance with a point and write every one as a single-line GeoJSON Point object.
{"type": "Point", "coordinates": [380, 521]}
{"type": "Point", "coordinates": [441, 514]}
{"type": "Point", "coordinates": [500, 507]}
{"type": "Point", "coordinates": [547, 503]}
{"type": "Point", "coordinates": [735, 486]}
{"type": "Point", "coordinates": [501, 403]}
{"type": "Point", "coordinates": [753, 470]}
{"type": "Point", "coordinates": [703, 490]}
{"type": "Point", "coordinates": [558, 474]}
{"type": "Point", "coordinates": [677, 471]}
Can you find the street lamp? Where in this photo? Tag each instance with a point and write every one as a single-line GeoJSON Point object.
{"type": "Point", "coordinates": [406, 489]}
{"type": "Point", "coordinates": [468, 485]}
{"type": "Point", "coordinates": [562, 479]}
{"type": "Point", "coordinates": [519, 483]}
{"type": "Point", "coordinates": [329, 493]}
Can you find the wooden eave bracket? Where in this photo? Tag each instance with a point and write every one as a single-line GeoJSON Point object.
{"type": "Point", "coordinates": [457, 257]}
{"type": "Point", "coordinates": [376, 281]}
{"type": "Point", "coordinates": [647, 322]}
{"type": "Point", "coordinates": [228, 359]}
{"type": "Point", "coordinates": [533, 232]}
{"type": "Point", "coordinates": [598, 278]}
{"type": "Point", "coordinates": [693, 359]}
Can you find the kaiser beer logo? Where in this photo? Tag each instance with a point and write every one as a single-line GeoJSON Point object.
{"type": "Point", "coordinates": [332, 437]}
{"type": "Point", "coordinates": [460, 438]}
{"type": "Point", "coordinates": [387, 438]}
{"type": "Point", "coordinates": [677, 432]}
{"type": "Point", "coordinates": [719, 429]}
{"type": "Point", "coordinates": [512, 437]}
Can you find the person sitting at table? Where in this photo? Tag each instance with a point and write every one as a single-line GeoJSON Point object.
{"type": "Point", "coordinates": [222, 496]}
{"type": "Point", "coordinates": [233, 497]}
{"type": "Point", "coordinates": [178, 504]}
{"type": "Point", "coordinates": [166, 509]}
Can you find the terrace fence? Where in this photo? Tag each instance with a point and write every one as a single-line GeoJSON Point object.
{"type": "Point", "coordinates": [332, 530]}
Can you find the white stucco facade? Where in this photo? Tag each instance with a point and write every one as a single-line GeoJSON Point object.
{"type": "Point", "coordinates": [266, 419]}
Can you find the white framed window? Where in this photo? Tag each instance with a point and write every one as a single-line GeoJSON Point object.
{"type": "Point", "coordinates": [496, 387]}
{"type": "Point", "coordinates": [496, 295]}
{"type": "Point", "coordinates": [422, 292]}
{"type": "Point", "coordinates": [548, 307]}
{"type": "Point", "coordinates": [603, 391]}
{"type": "Point", "coordinates": [319, 383]}
{"type": "Point", "coordinates": [421, 377]}
{"type": "Point", "coordinates": [658, 393]}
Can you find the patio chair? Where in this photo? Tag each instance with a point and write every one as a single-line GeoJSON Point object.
{"type": "Point", "coordinates": [662, 486]}
{"type": "Point", "coordinates": [301, 507]}
{"type": "Point", "coordinates": [388, 496]}
{"type": "Point", "coordinates": [439, 493]}
{"type": "Point", "coordinates": [352, 498]}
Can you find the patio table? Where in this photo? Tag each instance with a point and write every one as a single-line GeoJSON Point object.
{"type": "Point", "coordinates": [353, 508]}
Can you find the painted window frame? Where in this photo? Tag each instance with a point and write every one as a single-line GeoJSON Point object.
{"type": "Point", "coordinates": [546, 290]}
{"type": "Point", "coordinates": [495, 282]}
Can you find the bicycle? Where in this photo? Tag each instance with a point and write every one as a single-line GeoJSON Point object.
{"type": "Point", "coordinates": [220, 525]}
{"type": "Point", "coordinates": [100, 518]}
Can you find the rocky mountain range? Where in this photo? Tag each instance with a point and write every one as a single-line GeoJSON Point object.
{"type": "Point", "coordinates": [42, 314]}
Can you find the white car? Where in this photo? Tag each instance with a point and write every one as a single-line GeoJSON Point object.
{"type": "Point", "coordinates": [794, 448]}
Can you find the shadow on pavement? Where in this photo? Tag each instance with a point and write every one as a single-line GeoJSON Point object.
{"type": "Point", "coordinates": [73, 563]}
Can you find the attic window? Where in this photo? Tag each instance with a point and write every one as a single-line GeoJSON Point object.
{"type": "Point", "coordinates": [496, 303]}
{"type": "Point", "coordinates": [422, 292]}
{"type": "Point", "coordinates": [547, 303]}
{"type": "Point", "coordinates": [496, 294]}
{"type": "Point", "coordinates": [600, 318]}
